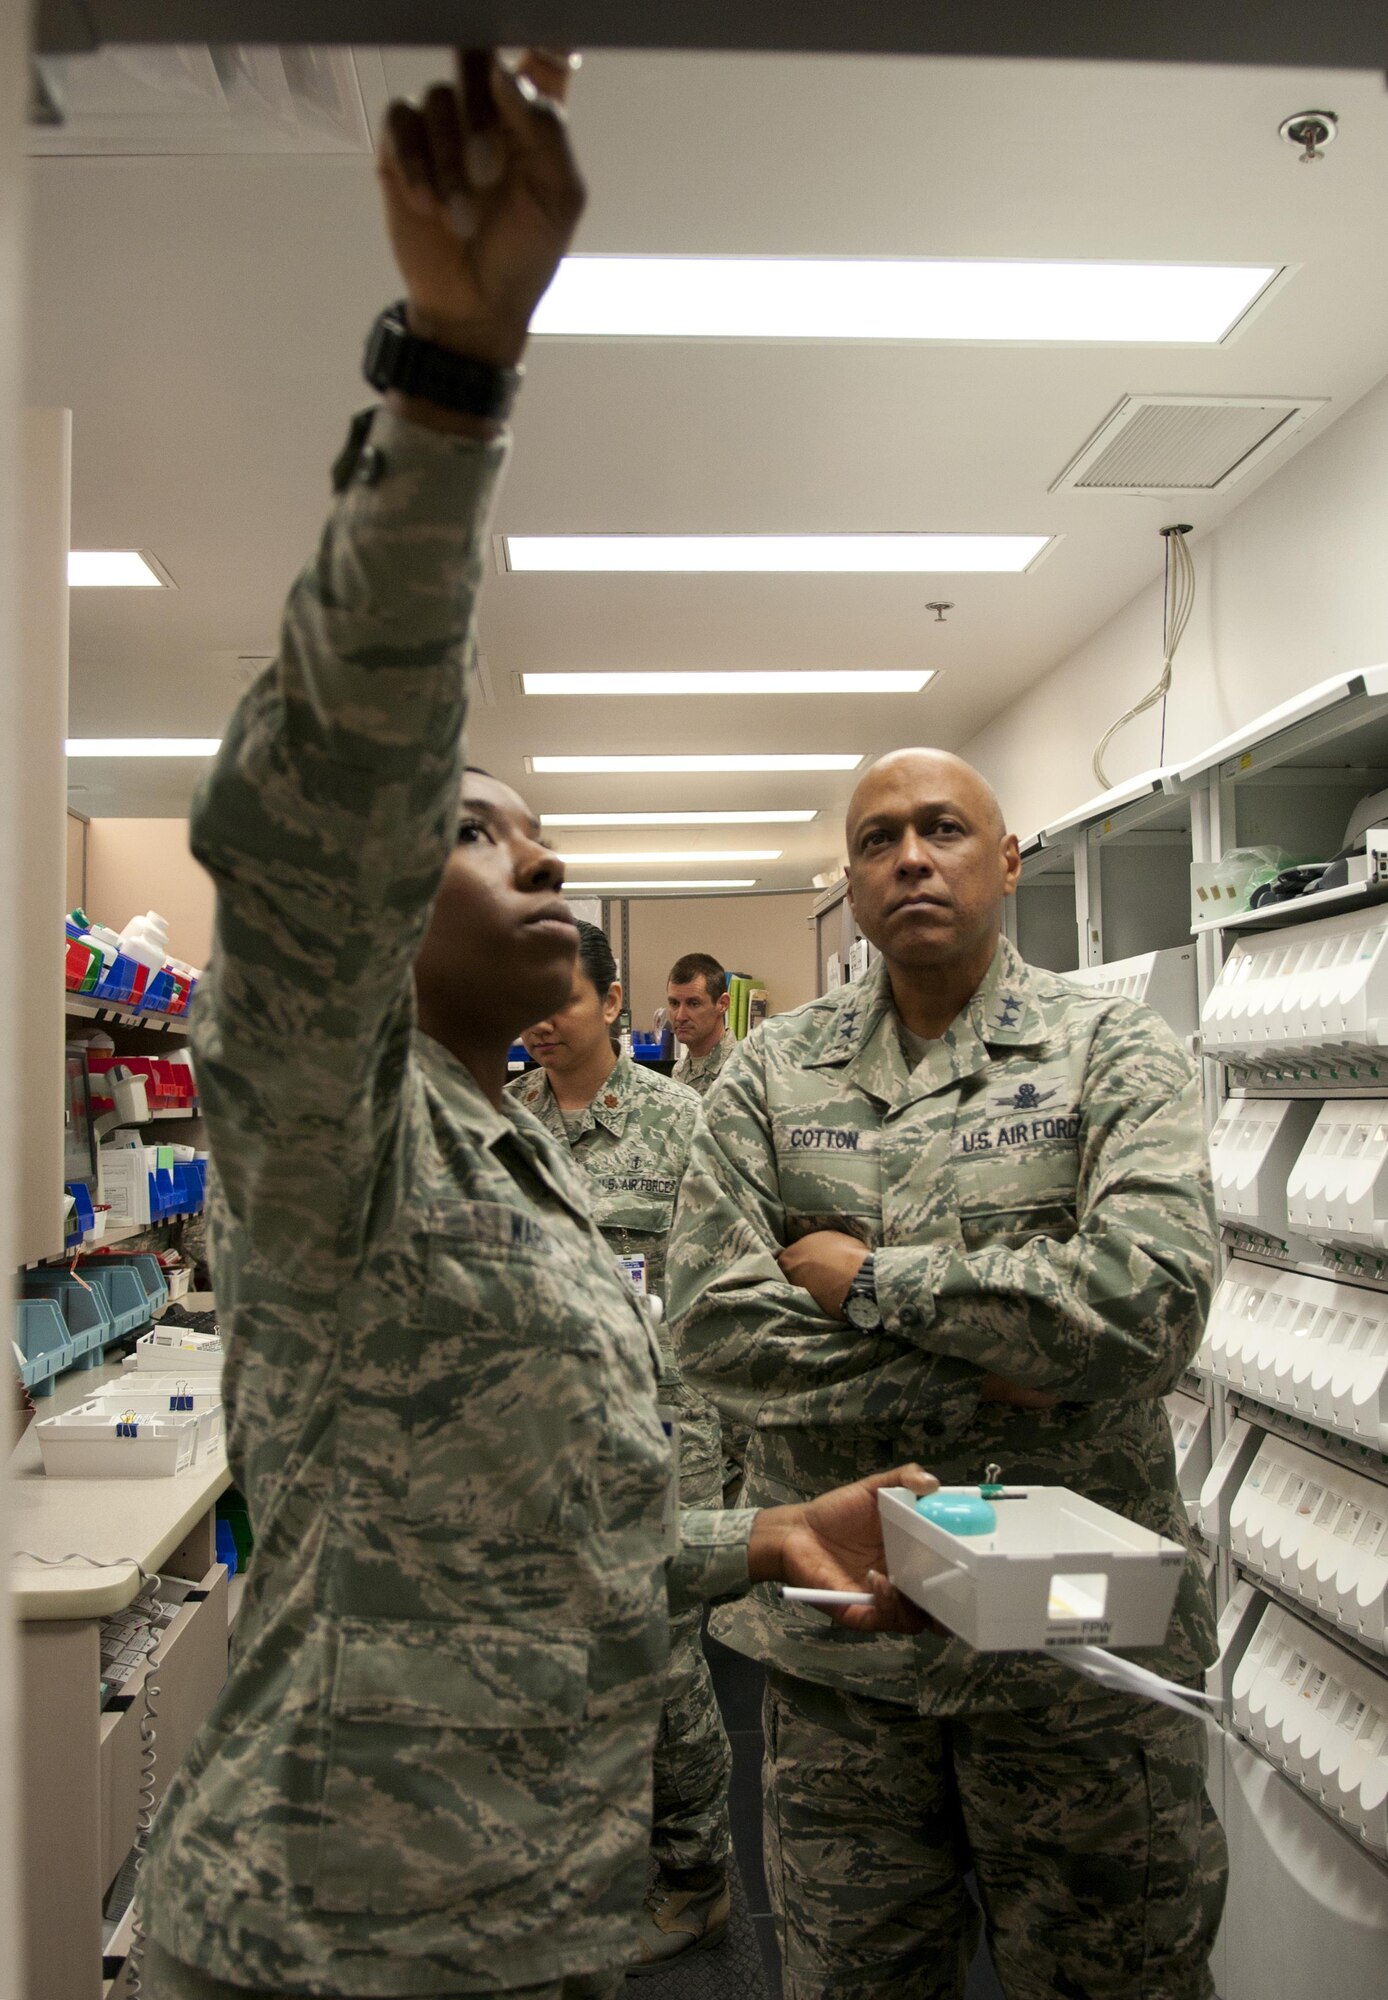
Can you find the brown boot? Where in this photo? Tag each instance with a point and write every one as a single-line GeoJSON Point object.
{"type": "Point", "coordinates": [675, 1921]}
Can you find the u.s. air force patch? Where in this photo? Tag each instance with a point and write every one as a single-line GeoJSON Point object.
{"type": "Point", "coordinates": [1022, 1114]}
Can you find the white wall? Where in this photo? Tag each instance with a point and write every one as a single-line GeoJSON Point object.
{"type": "Point", "coordinates": [771, 936]}
{"type": "Point", "coordinates": [145, 864]}
{"type": "Point", "coordinates": [1291, 589]}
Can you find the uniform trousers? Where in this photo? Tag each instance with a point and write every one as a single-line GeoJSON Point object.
{"type": "Point", "coordinates": [690, 1832]}
{"type": "Point", "coordinates": [1099, 1862]}
{"type": "Point", "coordinates": [165, 1978]}
{"type": "Point", "coordinates": [693, 1761]}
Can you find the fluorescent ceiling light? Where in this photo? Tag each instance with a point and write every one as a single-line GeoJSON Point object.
{"type": "Point", "coordinates": [811, 760]}
{"type": "Point", "coordinates": [690, 882]}
{"type": "Point", "coordinates": [920, 298]}
{"type": "Point", "coordinates": [836, 680]}
{"type": "Point", "coordinates": [672, 858]}
{"type": "Point", "coordinates": [776, 555]}
{"type": "Point", "coordinates": [796, 818]}
{"type": "Point", "coordinates": [112, 569]}
{"type": "Point", "coordinates": [143, 746]}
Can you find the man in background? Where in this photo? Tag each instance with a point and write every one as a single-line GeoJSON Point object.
{"type": "Point", "coordinates": [696, 1001]}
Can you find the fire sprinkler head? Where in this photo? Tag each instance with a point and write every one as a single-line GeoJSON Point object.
{"type": "Point", "coordinates": [1312, 131]}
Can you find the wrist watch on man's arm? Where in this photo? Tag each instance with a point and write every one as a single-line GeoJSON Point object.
{"type": "Point", "coordinates": [860, 1305]}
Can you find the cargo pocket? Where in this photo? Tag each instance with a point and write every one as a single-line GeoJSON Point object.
{"type": "Point", "coordinates": [454, 1768]}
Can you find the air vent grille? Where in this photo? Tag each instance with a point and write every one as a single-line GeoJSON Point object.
{"type": "Point", "coordinates": [1183, 444]}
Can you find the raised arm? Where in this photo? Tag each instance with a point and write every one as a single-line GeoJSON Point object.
{"type": "Point", "coordinates": [328, 816]}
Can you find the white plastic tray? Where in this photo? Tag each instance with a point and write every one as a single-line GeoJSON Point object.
{"type": "Point", "coordinates": [149, 1395]}
{"type": "Point", "coordinates": [1059, 1571]}
{"type": "Point", "coordinates": [179, 1351]}
{"type": "Point", "coordinates": [85, 1443]}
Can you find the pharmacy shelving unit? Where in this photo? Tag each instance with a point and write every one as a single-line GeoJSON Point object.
{"type": "Point", "coordinates": [1040, 919]}
{"type": "Point", "coordinates": [135, 1033]}
{"type": "Point", "coordinates": [1296, 1352]}
{"type": "Point", "coordinates": [1281, 1430]}
{"type": "Point", "coordinates": [80, 1763]}
{"type": "Point", "coordinates": [837, 939]}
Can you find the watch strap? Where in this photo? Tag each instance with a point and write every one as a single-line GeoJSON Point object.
{"type": "Point", "coordinates": [400, 360]}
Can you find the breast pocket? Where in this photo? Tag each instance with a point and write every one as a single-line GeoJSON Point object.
{"type": "Point", "coordinates": [1012, 1195]}
{"type": "Point", "coordinates": [455, 1774]}
{"type": "Point", "coordinates": [511, 1381]}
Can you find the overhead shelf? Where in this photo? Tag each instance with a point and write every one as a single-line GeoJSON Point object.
{"type": "Point", "coordinates": [1300, 910]}
{"type": "Point", "coordinates": [1314, 701]}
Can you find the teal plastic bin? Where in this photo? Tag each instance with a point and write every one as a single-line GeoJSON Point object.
{"type": "Point", "coordinates": [126, 1300]}
{"type": "Point", "coordinates": [85, 1310]}
{"type": "Point", "coordinates": [146, 1267]}
{"type": "Point", "coordinates": [43, 1346]}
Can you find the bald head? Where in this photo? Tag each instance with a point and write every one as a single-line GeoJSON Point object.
{"type": "Point", "coordinates": [930, 864]}
{"type": "Point", "coordinates": [925, 775]}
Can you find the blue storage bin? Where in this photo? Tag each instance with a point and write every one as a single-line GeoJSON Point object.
{"type": "Point", "coordinates": [159, 991]}
{"type": "Point", "coordinates": [84, 1309]}
{"type": "Point", "coordinates": [226, 1546]}
{"type": "Point", "coordinates": [43, 1342]}
{"type": "Point", "coordinates": [83, 1213]}
{"type": "Point", "coordinates": [117, 982]}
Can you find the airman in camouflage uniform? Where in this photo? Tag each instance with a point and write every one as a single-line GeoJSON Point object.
{"type": "Point", "coordinates": [700, 1073]}
{"type": "Point", "coordinates": [696, 996]}
{"type": "Point", "coordinates": [429, 1769]}
{"type": "Point", "coordinates": [632, 1143]}
{"type": "Point", "coordinates": [1028, 1170]}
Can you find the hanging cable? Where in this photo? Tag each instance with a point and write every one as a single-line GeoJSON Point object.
{"type": "Point", "coordinates": [1178, 601]}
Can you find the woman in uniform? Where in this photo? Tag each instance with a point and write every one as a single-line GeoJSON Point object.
{"type": "Point", "coordinates": [628, 1129]}
{"type": "Point", "coordinates": [429, 1769]}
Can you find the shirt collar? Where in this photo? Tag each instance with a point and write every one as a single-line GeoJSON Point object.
{"type": "Point", "coordinates": [608, 1109]}
{"type": "Point", "coordinates": [496, 1131]}
{"type": "Point", "coordinates": [864, 1041]}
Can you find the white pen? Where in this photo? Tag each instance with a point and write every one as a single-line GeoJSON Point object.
{"type": "Point", "coordinates": [797, 1595]}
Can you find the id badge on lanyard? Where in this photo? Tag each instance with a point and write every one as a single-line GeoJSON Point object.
{"type": "Point", "coordinates": [633, 1269]}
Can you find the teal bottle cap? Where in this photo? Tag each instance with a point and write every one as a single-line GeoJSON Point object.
{"type": "Point", "coordinates": [958, 1513]}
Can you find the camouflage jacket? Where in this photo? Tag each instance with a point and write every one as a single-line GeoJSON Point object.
{"type": "Point", "coordinates": [632, 1143]}
{"type": "Point", "coordinates": [700, 1073]}
{"type": "Point", "coordinates": [432, 1756]}
{"type": "Point", "coordinates": [1037, 1194]}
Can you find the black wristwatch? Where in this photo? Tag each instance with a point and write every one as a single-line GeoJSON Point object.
{"type": "Point", "coordinates": [860, 1303]}
{"type": "Point", "coordinates": [398, 359]}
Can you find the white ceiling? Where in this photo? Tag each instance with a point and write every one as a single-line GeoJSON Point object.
{"type": "Point", "coordinates": [203, 317]}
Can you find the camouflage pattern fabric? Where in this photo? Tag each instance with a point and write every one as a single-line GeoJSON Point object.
{"type": "Point", "coordinates": [632, 1143]}
{"type": "Point", "coordinates": [429, 1769]}
{"type": "Point", "coordinates": [1099, 1861]}
{"type": "Point", "coordinates": [1037, 1194]}
{"type": "Point", "coordinates": [700, 1073]}
{"type": "Point", "coordinates": [165, 1978]}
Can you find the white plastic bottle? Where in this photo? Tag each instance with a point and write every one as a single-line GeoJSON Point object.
{"type": "Point", "coordinates": [146, 940]}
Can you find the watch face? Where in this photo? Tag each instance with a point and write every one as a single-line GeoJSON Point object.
{"type": "Point", "coordinates": [862, 1311]}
